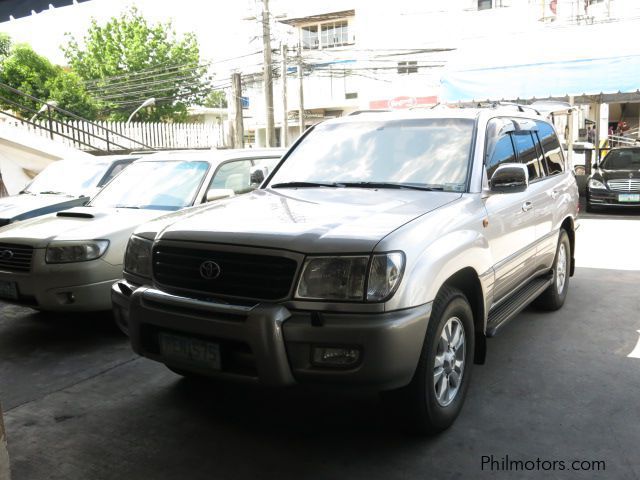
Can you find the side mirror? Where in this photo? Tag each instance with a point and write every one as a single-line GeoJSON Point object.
{"type": "Point", "coordinates": [219, 193]}
{"type": "Point", "coordinates": [257, 175]}
{"type": "Point", "coordinates": [510, 178]}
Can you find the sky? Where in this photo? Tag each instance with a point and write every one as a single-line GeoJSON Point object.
{"type": "Point", "coordinates": [218, 24]}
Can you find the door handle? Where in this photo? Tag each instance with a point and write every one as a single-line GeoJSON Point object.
{"type": "Point", "coordinates": [526, 206]}
{"type": "Point", "coordinates": [554, 194]}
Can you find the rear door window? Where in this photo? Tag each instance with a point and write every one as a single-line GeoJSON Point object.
{"type": "Point", "coordinates": [528, 155]}
{"type": "Point", "coordinates": [554, 160]}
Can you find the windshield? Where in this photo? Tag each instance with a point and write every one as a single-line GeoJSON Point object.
{"type": "Point", "coordinates": [68, 177]}
{"type": "Point", "coordinates": [422, 152]}
{"type": "Point", "coordinates": [159, 185]}
{"type": "Point", "coordinates": [628, 159]}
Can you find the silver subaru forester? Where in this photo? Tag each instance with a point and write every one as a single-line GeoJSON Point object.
{"type": "Point", "coordinates": [382, 251]}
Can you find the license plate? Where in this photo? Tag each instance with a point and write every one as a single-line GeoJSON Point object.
{"type": "Point", "coordinates": [629, 197]}
{"type": "Point", "coordinates": [8, 290]}
{"type": "Point", "coordinates": [193, 351]}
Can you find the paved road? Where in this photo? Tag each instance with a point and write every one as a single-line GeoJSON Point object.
{"type": "Point", "coordinates": [561, 386]}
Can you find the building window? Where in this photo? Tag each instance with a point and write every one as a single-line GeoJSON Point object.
{"type": "Point", "coordinates": [310, 37]}
{"type": "Point", "coordinates": [408, 67]}
{"type": "Point", "coordinates": [489, 4]}
{"type": "Point", "coordinates": [325, 35]}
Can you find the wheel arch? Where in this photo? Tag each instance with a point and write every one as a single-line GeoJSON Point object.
{"type": "Point", "coordinates": [568, 225]}
{"type": "Point", "coordinates": [468, 282]}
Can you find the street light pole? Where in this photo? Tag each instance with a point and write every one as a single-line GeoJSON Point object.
{"type": "Point", "coordinates": [147, 103]}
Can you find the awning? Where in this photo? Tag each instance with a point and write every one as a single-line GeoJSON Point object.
{"type": "Point", "coordinates": [547, 62]}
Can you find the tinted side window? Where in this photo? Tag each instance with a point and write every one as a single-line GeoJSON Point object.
{"type": "Point", "coordinates": [503, 153]}
{"type": "Point", "coordinates": [233, 175]}
{"type": "Point", "coordinates": [527, 155]}
{"type": "Point", "coordinates": [551, 147]}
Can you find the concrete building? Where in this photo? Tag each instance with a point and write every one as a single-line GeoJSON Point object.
{"type": "Point", "coordinates": [364, 55]}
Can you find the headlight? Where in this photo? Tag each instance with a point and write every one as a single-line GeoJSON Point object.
{"type": "Point", "coordinates": [343, 278]}
{"type": "Point", "coordinates": [75, 251]}
{"type": "Point", "coordinates": [137, 259]}
{"type": "Point", "coordinates": [593, 183]}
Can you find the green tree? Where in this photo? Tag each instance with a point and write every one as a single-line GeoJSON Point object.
{"type": "Point", "coordinates": [5, 45]}
{"type": "Point", "coordinates": [35, 75]}
{"type": "Point", "coordinates": [127, 60]}
{"type": "Point", "coordinates": [216, 99]}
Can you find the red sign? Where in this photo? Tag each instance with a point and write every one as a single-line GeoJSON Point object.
{"type": "Point", "coordinates": [399, 103]}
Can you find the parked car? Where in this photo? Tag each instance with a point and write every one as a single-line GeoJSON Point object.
{"type": "Point", "coordinates": [382, 252]}
{"type": "Point", "coordinates": [63, 184]}
{"type": "Point", "coordinates": [68, 261]}
{"type": "Point", "coordinates": [616, 181]}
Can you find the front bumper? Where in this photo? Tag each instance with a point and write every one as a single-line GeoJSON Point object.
{"type": "Point", "coordinates": [607, 198]}
{"type": "Point", "coordinates": [69, 287]}
{"type": "Point", "coordinates": [272, 345]}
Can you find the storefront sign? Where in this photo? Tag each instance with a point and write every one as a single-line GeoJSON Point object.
{"type": "Point", "coordinates": [399, 103]}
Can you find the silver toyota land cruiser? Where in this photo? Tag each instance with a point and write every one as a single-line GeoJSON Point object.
{"type": "Point", "coordinates": [381, 252]}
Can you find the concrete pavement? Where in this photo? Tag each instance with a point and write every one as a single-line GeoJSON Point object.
{"type": "Point", "coordinates": [559, 386]}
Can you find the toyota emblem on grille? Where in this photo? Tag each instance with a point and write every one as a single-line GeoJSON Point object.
{"type": "Point", "coordinates": [210, 270]}
{"type": "Point", "coordinates": [6, 254]}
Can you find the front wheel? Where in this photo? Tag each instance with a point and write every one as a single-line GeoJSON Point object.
{"type": "Point", "coordinates": [434, 398]}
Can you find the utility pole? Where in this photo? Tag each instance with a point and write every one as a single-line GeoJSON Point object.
{"type": "Point", "coordinates": [267, 78]}
{"type": "Point", "coordinates": [300, 90]}
{"type": "Point", "coordinates": [237, 134]}
{"type": "Point", "coordinates": [285, 109]}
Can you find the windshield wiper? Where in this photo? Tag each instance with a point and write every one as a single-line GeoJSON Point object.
{"type": "Point", "coordinates": [407, 186]}
{"type": "Point", "coordinates": [127, 206]}
{"type": "Point", "coordinates": [306, 185]}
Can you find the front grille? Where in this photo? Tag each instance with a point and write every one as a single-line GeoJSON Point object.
{"type": "Point", "coordinates": [15, 258]}
{"type": "Point", "coordinates": [625, 185]}
{"type": "Point", "coordinates": [260, 277]}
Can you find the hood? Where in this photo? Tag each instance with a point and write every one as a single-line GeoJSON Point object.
{"type": "Point", "coordinates": [80, 223]}
{"type": "Point", "coordinates": [313, 220]}
{"type": "Point", "coordinates": [21, 207]}
{"type": "Point", "coordinates": [617, 174]}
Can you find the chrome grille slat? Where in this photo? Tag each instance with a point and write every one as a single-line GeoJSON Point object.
{"type": "Point", "coordinates": [244, 275]}
{"type": "Point", "coordinates": [626, 185]}
{"type": "Point", "coordinates": [19, 259]}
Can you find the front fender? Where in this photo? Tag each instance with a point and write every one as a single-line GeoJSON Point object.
{"type": "Point", "coordinates": [429, 269]}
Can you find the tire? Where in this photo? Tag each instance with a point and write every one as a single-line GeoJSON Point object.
{"type": "Point", "coordinates": [554, 296]}
{"type": "Point", "coordinates": [418, 406]}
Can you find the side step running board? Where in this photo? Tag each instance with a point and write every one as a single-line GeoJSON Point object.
{"type": "Point", "coordinates": [506, 311]}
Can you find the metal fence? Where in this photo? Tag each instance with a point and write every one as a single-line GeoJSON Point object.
{"type": "Point", "coordinates": [122, 136]}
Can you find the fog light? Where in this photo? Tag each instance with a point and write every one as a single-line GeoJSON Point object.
{"type": "Point", "coordinates": [336, 356]}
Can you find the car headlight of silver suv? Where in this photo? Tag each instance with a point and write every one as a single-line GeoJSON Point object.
{"type": "Point", "coordinates": [597, 184]}
{"type": "Point", "coordinates": [137, 259]}
{"type": "Point", "coordinates": [75, 251]}
{"type": "Point", "coordinates": [345, 278]}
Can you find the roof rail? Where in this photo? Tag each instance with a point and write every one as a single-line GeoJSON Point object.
{"type": "Point", "coordinates": [358, 112]}
{"type": "Point", "coordinates": [521, 108]}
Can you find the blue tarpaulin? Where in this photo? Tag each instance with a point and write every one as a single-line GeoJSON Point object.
{"type": "Point", "coordinates": [583, 60]}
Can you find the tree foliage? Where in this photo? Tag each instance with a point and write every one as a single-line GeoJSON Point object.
{"type": "Point", "coordinates": [127, 60]}
{"type": "Point", "coordinates": [216, 99]}
{"type": "Point", "coordinates": [35, 75]}
{"type": "Point", "coordinates": [5, 45]}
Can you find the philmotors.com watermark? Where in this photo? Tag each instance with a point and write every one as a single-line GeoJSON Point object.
{"type": "Point", "coordinates": [508, 464]}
